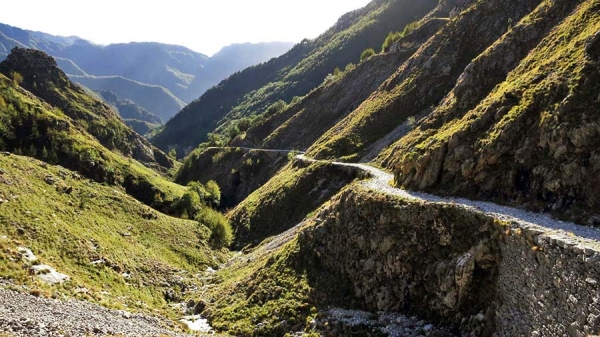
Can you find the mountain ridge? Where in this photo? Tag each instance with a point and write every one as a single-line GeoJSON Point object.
{"type": "Point", "coordinates": [180, 72]}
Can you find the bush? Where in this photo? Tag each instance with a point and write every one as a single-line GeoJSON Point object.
{"type": "Point", "coordinates": [393, 37]}
{"type": "Point", "coordinates": [214, 193]}
{"type": "Point", "coordinates": [390, 39]}
{"type": "Point", "coordinates": [366, 54]}
{"type": "Point", "coordinates": [189, 204]}
{"type": "Point", "coordinates": [220, 228]}
{"type": "Point", "coordinates": [412, 121]}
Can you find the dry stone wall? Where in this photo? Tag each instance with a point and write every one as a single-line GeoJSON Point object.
{"type": "Point", "coordinates": [457, 266]}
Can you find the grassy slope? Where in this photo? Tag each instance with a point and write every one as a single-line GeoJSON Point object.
{"type": "Point", "coordinates": [32, 127]}
{"type": "Point", "coordinates": [286, 199]}
{"type": "Point", "coordinates": [302, 124]}
{"type": "Point", "coordinates": [423, 80]}
{"type": "Point", "coordinates": [531, 140]}
{"type": "Point", "coordinates": [293, 74]}
{"type": "Point", "coordinates": [272, 293]}
{"type": "Point", "coordinates": [70, 230]}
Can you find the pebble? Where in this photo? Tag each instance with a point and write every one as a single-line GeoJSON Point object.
{"type": "Point", "coordinates": [26, 315]}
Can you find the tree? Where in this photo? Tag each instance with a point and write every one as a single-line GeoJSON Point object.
{"type": "Point", "coordinates": [189, 203]}
{"type": "Point", "coordinates": [366, 54]}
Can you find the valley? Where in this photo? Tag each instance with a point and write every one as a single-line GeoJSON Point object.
{"type": "Point", "coordinates": [418, 169]}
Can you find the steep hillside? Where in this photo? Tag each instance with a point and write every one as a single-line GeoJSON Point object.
{"type": "Point", "coordinates": [531, 137]}
{"type": "Point", "coordinates": [115, 251]}
{"type": "Point", "coordinates": [73, 129]}
{"type": "Point", "coordinates": [285, 200]}
{"type": "Point", "coordinates": [301, 124]}
{"type": "Point", "coordinates": [423, 80]}
{"type": "Point", "coordinates": [293, 74]}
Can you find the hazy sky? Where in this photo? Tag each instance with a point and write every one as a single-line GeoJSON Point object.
{"type": "Point", "coordinates": [204, 26]}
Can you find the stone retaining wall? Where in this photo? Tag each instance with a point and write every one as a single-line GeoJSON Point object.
{"type": "Point", "coordinates": [458, 266]}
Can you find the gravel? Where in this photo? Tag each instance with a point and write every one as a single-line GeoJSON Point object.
{"type": "Point", "coordinates": [584, 236]}
{"type": "Point", "coordinates": [27, 315]}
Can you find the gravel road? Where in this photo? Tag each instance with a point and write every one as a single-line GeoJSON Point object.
{"type": "Point", "coordinates": [539, 222]}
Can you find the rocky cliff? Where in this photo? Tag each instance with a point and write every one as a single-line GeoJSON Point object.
{"type": "Point", "coordinates": [520, 125]}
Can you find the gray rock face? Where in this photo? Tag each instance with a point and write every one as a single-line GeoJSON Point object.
{"type": "Point", "coordinates": [457, 266]}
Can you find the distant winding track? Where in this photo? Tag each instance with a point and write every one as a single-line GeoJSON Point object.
{"type": "Point", "coordinates": [541, 223]}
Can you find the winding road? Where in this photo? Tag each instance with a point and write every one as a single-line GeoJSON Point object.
{"type": "Point", "coordinates": [539, 223]}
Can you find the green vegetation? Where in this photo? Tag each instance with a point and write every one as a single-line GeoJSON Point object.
{"type": "Point", "coordinates": [366, 54]}
{"type": "Point", "coordinates": [284, 200]}
{"type": "Point", "coordinates": [509, 136]}
{"type": "Point", "coordinates": [221, 234]}
{"type": "Point", "coordinates": [123, 253]}
{"type": "Point", "coordinates": [33, 128]}
{"type": "Point", "coordinates": [272, 293]}
{"type": "Point", "coordinates": [83, 134]}
{"type": "Point", "coordinates": [430, 68]}
{"type": "Point", "coordinates": [396, 36]}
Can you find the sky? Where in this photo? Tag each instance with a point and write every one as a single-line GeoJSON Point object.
{"type": "Point", "coordinates": [201, 25]}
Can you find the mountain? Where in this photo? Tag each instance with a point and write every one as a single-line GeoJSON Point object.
{"type": "Point", "coordinates": [231, 59]}
{"type": "Point", "coordinates": [134, 116]}
{"type": "Point", "coordinates": [447, 187]}
{"type": "Point", "coordinates": [476, 133]}
{"type": "Point", "coordinates": [295, 73]}
{"type": "Point", "coordinates": [156, 99]}
{"type": "Point", "coordinates": [176, 73]}
{"type": "Point", "coordinates": [47, 116]}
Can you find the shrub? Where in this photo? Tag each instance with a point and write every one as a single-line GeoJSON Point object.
{"type": "Point", "coordinates": [189, 203]}
{"type": "Point", "coordinates": [390, 39]}
{"type": "Point", "coordinates": [412, 121]}
{"type": "Point", "coordinates": [366, 54]}
{"type": "Point", "coordinates": [221, 234]}
{"type": "Point", "coordinates": [214, 193]}
{"type": "Point", "coordinates": [292, 155]}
